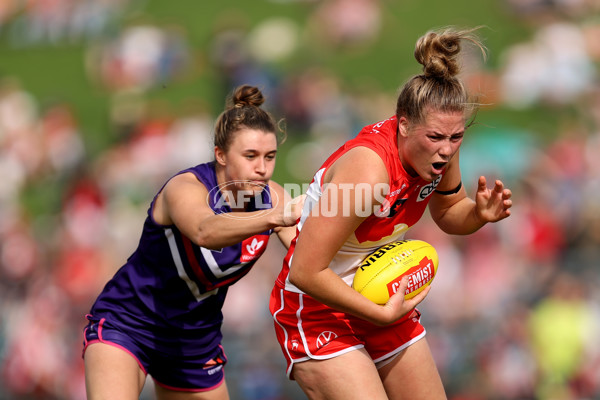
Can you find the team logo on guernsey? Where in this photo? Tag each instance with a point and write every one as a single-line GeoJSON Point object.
{"type": "Point", "coordinates": [428, 189]}
{"type": "Point", "coordinates": [396, 207]}
{"type": "Point", "coordinates": [387, 211]}
{"type": "Point", "coordinates": [253, 247]}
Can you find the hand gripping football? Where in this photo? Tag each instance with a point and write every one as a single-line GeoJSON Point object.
{"type": "Point", "coordinates": [378, 276]}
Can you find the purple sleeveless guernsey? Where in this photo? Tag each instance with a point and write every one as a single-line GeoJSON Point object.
{"type": "Point", "coordinates": [171, 291]}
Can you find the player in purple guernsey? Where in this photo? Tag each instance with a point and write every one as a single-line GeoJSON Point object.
{"type": "Point", "coordinates": [160, 314]}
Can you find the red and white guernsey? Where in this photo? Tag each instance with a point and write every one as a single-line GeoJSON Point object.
{"type": "Point", "coordinates": [404, 204]}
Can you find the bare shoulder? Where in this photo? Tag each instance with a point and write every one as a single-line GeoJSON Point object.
{"type": "Point", "coordinates": [185, 189]}
{"type": "Point", "coordinates": [185, 181]}
{"type": "Point", "coordinates": [359, 165]}
{"type": "Point", "coordinates": [182, 197]}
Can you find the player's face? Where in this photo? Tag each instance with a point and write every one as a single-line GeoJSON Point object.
{"type": "Point", "coordinates": [426, 149]}
{"type": "Point", "coordinates": [250, 160]}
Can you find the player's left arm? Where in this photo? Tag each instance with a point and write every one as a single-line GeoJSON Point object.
{"type": "Point", "coordinates": [455, 213]}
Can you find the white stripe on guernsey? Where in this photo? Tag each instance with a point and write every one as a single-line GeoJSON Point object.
{"type": "Point", "coordinates": [313, 193]}
{"type": "Point", "coordinates": [214, 267]}
{"type": "Point", "coordinates": [181, 270]}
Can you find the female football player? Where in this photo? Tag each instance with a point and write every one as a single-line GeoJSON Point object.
{"type": "Point", "coordinates": [160, 315]}
{"type": "Point", "coordinates": [337, 343]}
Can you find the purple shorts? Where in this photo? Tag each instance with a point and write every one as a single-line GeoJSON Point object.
{"type": "Point", "coordinates": [172, 371]}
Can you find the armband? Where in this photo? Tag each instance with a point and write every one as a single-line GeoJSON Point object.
{"type": "Point", "coordinates": [447, 192]}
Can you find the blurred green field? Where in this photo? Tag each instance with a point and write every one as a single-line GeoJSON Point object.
{"type": "Point", "coordinates": [58, 72]}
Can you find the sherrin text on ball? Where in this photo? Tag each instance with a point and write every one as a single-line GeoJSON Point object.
{"type": "Point", "coordinates": [378, 276]}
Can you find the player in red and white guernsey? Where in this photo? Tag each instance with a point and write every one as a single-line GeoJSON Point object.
{"type": "Point", "coordinates": [337, 343]}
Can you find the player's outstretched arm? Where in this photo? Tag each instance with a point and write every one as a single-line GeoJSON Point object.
{"type": "Point", "coordinates": [457, 214]}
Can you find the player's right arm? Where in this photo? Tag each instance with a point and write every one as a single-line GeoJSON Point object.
{"type": "Point", "coordinates": [184, 202]}
{"type": "Point", "coordinates": [323, 234]}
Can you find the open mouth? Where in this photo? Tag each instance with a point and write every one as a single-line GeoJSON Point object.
{"type": "Point", "coordinates": [439, 165]}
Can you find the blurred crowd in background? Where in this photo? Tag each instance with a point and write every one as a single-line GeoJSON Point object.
{"type": "Point", "coordinates": [515, 309]}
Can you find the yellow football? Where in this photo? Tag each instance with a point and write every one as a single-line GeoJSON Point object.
{"type": "Point", "coordinates": [378, 276]}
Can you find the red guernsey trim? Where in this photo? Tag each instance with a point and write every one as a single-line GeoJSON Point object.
{"type": "Point", "coordinates": [189, 251]}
